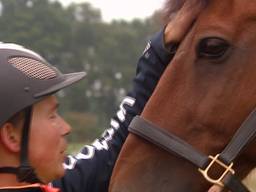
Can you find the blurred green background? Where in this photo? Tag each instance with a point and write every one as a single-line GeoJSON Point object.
{"type": "Point", "coordinates": [76, 38]}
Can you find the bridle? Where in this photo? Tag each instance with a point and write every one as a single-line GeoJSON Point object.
{"type": "Point", "coordinates": [173, 144]}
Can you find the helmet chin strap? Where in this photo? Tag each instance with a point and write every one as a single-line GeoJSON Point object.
{"type": "Point", "coordinates": [25, 173]}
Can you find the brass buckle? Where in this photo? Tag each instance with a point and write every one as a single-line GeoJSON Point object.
{"type": "Point", "coordinates": [228, 168]}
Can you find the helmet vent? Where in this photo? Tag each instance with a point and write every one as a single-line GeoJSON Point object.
{"type": "Point", "coordinates": [32, 68]}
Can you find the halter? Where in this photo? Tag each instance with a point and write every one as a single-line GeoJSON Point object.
{"type": "Point", "coordinates": [173, 144]}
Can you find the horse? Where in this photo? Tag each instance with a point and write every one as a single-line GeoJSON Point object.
{"type": "Point", "coordinates": [203, 97]}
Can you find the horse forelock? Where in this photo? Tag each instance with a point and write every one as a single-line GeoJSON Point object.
{"type": "Point", "coordinates": [172, 6]}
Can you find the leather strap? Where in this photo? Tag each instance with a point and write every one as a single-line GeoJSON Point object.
{"type": "Point", "coordinates": [167, 141]}
{"type": "Point", "coordinates": [25, 172]}
{"type": "Point", "coordinates": [25, 136]}
{"type": "Point", "coordinates": [173, 144]}
{"type": "Point", "coordinates": [242, 137]}
{"type": "Point", "coordinates": [234, 184]}
{"type": "Point", "coordinates": [12, 170]}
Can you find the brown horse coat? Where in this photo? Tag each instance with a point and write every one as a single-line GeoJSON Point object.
{"type": "Point", "coordinates": [203, 97]}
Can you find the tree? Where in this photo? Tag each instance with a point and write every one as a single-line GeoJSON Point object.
{"type": "Point", "coordinates": [74, 39]}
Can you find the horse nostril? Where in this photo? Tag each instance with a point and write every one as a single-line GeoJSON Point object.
{"type": "Point", "coordinates": [212, 48]}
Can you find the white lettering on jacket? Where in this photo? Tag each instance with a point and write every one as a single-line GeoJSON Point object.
{"type": "Point", "coordinates": [88, 151]}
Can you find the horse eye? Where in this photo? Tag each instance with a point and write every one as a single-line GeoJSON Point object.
{"type": "Point", "coordinates": [212, 48]}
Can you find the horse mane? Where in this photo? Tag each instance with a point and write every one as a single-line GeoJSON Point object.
{"type": "Point", "coordinates": [172, 6]}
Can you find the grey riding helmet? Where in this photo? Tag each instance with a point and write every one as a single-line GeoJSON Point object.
{"type": "Point", "coordinates": [26, 78]}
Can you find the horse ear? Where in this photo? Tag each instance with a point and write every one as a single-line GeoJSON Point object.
{"type": "Point", "coordinates": [10, 137]}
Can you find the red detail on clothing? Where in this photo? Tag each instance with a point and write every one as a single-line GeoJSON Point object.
{"type": "Point", "coordinates": [47, 188]}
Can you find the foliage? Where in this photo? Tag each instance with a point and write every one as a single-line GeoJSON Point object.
{"type": "Point", "coordinates": [75, 38]}
{"type": "Point", "coordinates": [82, 124]}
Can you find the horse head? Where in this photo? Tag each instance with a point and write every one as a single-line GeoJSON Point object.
{"type": "Point", "coordinates": [203, 97]}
